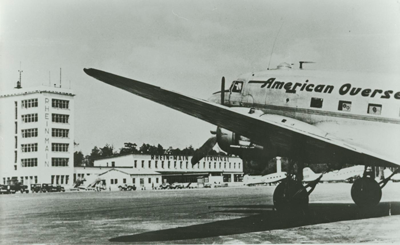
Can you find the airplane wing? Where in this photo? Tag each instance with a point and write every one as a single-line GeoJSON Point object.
{"type": "Point", "coordinates": [283, 135]}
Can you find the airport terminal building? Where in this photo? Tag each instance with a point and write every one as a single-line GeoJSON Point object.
{"type": "Point", "coordinates": [37, 135]}
{"type": "Point", "coordinates": [149, 171]}
{"type": "Point", "coordinates": [37, 146]}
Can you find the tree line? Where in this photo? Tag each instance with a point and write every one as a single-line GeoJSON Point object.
{"type": "Point", "coordinates": [132, 148]}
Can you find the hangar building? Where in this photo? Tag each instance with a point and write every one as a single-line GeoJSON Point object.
{"type": "Point", "coordinates": [148, 171]}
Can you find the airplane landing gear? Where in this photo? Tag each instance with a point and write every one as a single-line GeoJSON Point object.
{"type": "Point", "coordinates": [290, 195]}
{"type": "Point", "coordinates": [366, 192]}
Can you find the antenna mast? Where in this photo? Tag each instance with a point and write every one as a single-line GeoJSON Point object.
{"type": "Point", "coordinates": [60, 77]}
{"type": "Point", "coordinates": [273, 45]}
{"type": "Point", "coordinates": [20, 77]}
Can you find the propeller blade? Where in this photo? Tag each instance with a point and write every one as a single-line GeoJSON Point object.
{"type": "Point", "coordinates": [204, 150]}
{"type": "Point", "coordinates": [223, 91]}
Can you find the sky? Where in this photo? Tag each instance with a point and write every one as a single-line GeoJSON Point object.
{"type": "Point", "coordinates": [184, 46]}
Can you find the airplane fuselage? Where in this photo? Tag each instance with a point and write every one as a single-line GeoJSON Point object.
{"type": "Point", "coordinates": [362, 109]}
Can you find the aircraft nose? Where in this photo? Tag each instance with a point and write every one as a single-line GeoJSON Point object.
{"type": "Point", "coordinates": [215, 98]}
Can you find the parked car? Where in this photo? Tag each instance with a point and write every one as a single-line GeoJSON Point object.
{"type": "Point", "coordinates": [127, 187]}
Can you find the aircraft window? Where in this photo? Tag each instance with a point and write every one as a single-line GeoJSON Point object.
{"type": "Point", "coordinates": [316, 102]}
{"type": "Point", "coordinates": [344, 106]}
{"type": "Point", "coordinates": [374, 109]}
{"type": "Point", "coordinates": [237, 87]}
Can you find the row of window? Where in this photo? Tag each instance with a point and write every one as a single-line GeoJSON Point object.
{"type": "Point", "coordinates": [55, 132]}
{"type": "Point", "coordinates": [175, 165]}
{"type": "Point", "coordinates": [30, 103]}
{"type": "Point", "coordinates": [59, 147]}
{"type": "Point", "coordinates": [59, 132]}
{"type": "Point", "coordinates": [22, 180]}
{"type": "Point", "coordinates": [29, 147]}
{"type": "Point", "coordinates": [59, 179]}
{"type": "Point", "coordinates": [55, 162]}
{"type": "Point", "coordinates": [59, 118]}
{"type": "Point", "coordinates": [115, 181]}
{"type": "Point", "coordinates": [373, 109]}
{"type": "Point", "coordinates": [30, 118]}
{"type": "Point", "coordinates": [59, 162]}
{"type": "Point", "coordinates": [30, 132]}
{"type": "Point", "coordinates": [63, 104]}
{"type": "Point", "coordinates": [29, 162]}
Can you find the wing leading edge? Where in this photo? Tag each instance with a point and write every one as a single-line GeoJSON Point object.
{"type": "Point", "coordinates": [278, 136]}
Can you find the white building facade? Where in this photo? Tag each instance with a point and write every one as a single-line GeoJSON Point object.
{"type": "Point", "coordinates": [37, 135]}
{"type": "Point", "coordinates": [148, 171]}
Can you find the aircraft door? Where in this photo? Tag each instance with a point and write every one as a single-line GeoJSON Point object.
{"type": "Point", "coordinates": [235, 93]}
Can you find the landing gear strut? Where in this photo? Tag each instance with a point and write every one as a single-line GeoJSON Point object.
{"type": "Point", "coordinates": [290, 195]}
{"type": "Point", "coordinates": [366, 192]}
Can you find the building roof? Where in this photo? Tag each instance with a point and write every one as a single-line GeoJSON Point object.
{"type": "Point", "coordinates": [38, 89]}
{"type": "Point", "coordinates": [132, 171]}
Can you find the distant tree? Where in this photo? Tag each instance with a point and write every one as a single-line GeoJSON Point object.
{"type": "Point", "coordinates": [107, 151]}
{"type": "Point", "coordinates": [94, 155]}
{"type": "Point", "coordinates": [78, 158]}
{"type": "Point", "coordinates": [144, 149]}
{"type": "Point", "coordinates": [160, 150]}
{"type": "Point", "coordinates": [188, 151]}
{"type": "Point", "coordinates": [129, 148]}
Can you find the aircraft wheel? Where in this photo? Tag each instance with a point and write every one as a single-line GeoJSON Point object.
{"type": "Point", "coordinates": [366, 192]}
{"type": "Point", "coordinates": [290, 196]}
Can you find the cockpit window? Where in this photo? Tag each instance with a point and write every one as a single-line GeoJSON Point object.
{"type": "Point", "coordinates": [236, 87]}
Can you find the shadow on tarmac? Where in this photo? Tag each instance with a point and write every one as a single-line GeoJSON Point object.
{"type": "Point", "coordinates": [264, 220]}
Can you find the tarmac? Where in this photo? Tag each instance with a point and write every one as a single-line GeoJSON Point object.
{"type": "Point", "coordinates": [240, 215]}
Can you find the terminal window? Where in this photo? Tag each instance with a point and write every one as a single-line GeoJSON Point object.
{"type": "Point", "coordinates": [30, 103]}
{"type": "Point", "coordinates": [27, 118]}
{"type": "Point", "coordinates": [58, 147]}
{"type": "Point", "coordinates": [29, 162]}
{"type": "Point", "coordinates": [30, 132]}
{"type": "Point", "coordinates": [16, 110]}
{"type": "Point", "coordinates": [59, 118]}
{"type": "Point", "coordinates": [63, 104]}
{"type": "Point", "coordinates": [29, 147]}
{"type": "Point", "coordinates": [59, 132]}
{"type": "Point", "coordinates": [59, 162]}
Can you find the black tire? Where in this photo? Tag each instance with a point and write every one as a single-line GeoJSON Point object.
{"type": "Point", "coordinates": [366, 192]}
{"type": "Point", "coordinates": [290, 196]}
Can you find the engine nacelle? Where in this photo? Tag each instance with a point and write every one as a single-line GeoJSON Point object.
{"type": "Point", "coordinates": [226, 139]}
{"type": "Point", "coordinates": [236, 144]}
